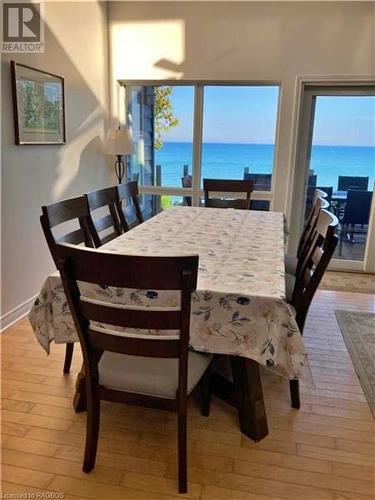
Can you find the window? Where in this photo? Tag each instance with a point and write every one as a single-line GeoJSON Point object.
{"type": "Point", "coordinates": [152, 204]}
{"type": "Point", "coordinates": [239, 125]}
{"type": "Point", "coordinates": [183, 133]}
{"type": "Point", "coordinates": [162, 125]}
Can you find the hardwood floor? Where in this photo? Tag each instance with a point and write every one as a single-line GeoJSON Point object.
{"type": "Point", "coordinates": [323, 451]}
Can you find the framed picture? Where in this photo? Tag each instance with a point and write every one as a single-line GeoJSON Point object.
{"type": "Point", "coordinates": [38, 103]}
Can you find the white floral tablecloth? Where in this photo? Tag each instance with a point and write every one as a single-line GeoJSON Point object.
{"type": "Point", "coordinates": [239, 307]}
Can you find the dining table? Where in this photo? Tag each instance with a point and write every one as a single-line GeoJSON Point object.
{"type": "Point", "coordinates": [239, 308]}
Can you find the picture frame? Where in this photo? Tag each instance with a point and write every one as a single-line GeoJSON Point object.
{"type": "Point", "coordinates": [38, 106]}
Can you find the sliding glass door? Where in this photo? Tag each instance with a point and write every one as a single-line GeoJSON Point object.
{"type": "Point", "coordinates": [337, 155]}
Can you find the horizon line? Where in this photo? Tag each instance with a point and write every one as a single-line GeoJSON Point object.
{"type": "Point", "coordinates": [273, 144]}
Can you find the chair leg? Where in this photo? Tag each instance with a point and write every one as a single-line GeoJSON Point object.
{"type": "Point", "coordinates": [92, 433]}
{"type": "Point", "coordinates": [342, 234]}
{"type": "Point", "coordinates": [182, 447]}
{"type": "Point", "coordinates": [294, 393]}
{"type": "Point", "coordinates": [68, 357]}
{"type": "Point", "coordinates": [205, 393]}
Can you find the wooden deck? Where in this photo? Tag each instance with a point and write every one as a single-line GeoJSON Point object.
{"type": "Point", "coordinates": [323, 451]}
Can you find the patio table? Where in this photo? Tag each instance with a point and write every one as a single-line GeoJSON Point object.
{"type": "Point", "coordinates": [339, 195]}
{"type": "Point", "coordinates": [239, 308]}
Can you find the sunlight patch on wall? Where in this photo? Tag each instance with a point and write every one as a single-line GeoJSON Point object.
{"type": "Point", "coordinates": [138, 47]}
{"type": "Point", "coordinates": [70, 157]}
{"type": "Point", "coordinates": [78, 47]}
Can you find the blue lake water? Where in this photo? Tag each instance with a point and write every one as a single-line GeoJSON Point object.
{"type": "Point", "coordinates": [227, 161]}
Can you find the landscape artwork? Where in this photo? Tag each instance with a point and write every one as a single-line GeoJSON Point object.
{"type": "Point", "coordinates": [38, 99]}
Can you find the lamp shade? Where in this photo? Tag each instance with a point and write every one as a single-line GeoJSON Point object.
{"type": "Point", "coordinates": [118, 142]}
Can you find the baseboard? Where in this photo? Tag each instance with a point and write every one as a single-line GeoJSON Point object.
{"type": "Point", "coordinates": [19, 312]}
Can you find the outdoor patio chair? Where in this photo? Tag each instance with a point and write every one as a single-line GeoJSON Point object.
{"type": "Point", "coordinates": [311, 186]}
{"type": "Point", "coordinates": [346, 182]}
{"type": "Point", "coordinates": [356, 216]}
{"type": "Point", "coordinates": [187, 182]}
{"type": "Point", "coordinates": [261, 182]}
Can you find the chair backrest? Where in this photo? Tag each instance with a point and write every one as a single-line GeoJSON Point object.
{"type": "Point", "coordinates": [109, 223]}
{"type": "Point", "coordinates": [328, 190]}
{"type": "Point", "coordinates": [355, 183]}
{"type": "Point", "coordinates": [318, 193]}
{"type": "Point", "coordinates": [134, 272]}
{"type": "Point", "coordinates": [128, 206]}
{"type": "Point", "coordinates": [261, 182]}
{"type": "Point", "coordinates": [187, 182]}
{"type": "Point", "coordinates": [314, 264]}
{"type": "Point", "coordinates": [308, 229]}
{"type": "Point", "coordinates": [357, 208]}
{"type": "Point", "coordinates": [222, 188]}
{"type": "Point", "coordinates": [310, 190]}
{"type": "Point", "coordinates": [311, 181]}
{"type": "Point", "coordinates": [263, 205]}
{"type": "Point", "coordinates": [74, 209]}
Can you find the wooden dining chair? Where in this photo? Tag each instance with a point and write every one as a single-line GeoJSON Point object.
{"type": "Point", "coordinates": [303, 286]}
{"type": "Point", "coordinates": [329, 192]}
{"type": "Point", "coordinates": [104, 200]}
{"type": "Point", "coordinates": [294, 262]}
{"type": "Point", "coordinates": [128, 206]}
{"type": "Point", "coordinates": [319, 193]}
{"type": "Point", "coordinates": [142, 369]}
{"type": "Point", "coordinates": [224, 190]}
{"type": "Point", "coordinates": [57, 214]}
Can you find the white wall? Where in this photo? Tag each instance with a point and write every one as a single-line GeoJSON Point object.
{"type": "Point", "coordinates": [248, 41]}
{"type": "Point", "coordinates": [76, 47]}
{"type": "Point", "coordinates": [187, 40]}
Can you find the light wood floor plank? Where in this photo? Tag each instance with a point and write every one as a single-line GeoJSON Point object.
{"type": "Point", "coordinates": [324, 451]}
{"type": "Point", "coordinates": [92, 489]}
{"type": "Point", "coordinates": [22, 491]}
{"type": "Point", "coordinates": [16, 474]}
{"type": "Point", "coordinates": [215, 493]}
{"type": "Point", "coordinates": [254, 485]}
{"type": "Point", "coordinates": [37, 463]}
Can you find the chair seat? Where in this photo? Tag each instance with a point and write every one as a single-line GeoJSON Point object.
{"type": "Point", "coordinates": [291, 264]}
{"type": "Point", "coordinates": [149, 376]}
{"type": "Point", "coordinates": [290, 281]}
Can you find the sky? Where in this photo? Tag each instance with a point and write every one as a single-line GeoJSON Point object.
{"type": "Point", "coordinates": [248, 115]}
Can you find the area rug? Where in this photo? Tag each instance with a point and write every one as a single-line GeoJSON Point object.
{"type": "Point", "coordinates": [358, 330]}
{"type": "Point", "coordinates": [348, 282]}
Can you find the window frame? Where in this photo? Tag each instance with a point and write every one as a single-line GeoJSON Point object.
{"type": "Point", "coordinates": [195, 192]}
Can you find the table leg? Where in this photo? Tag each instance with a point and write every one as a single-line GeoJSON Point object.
{"type": "Point", "coordinates": [249, 396]}
{"type": "Point", "coordinates": [79, 400]}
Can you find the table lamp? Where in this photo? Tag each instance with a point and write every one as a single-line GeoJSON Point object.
{"type": "Point", "coordinates": [119, 142]}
